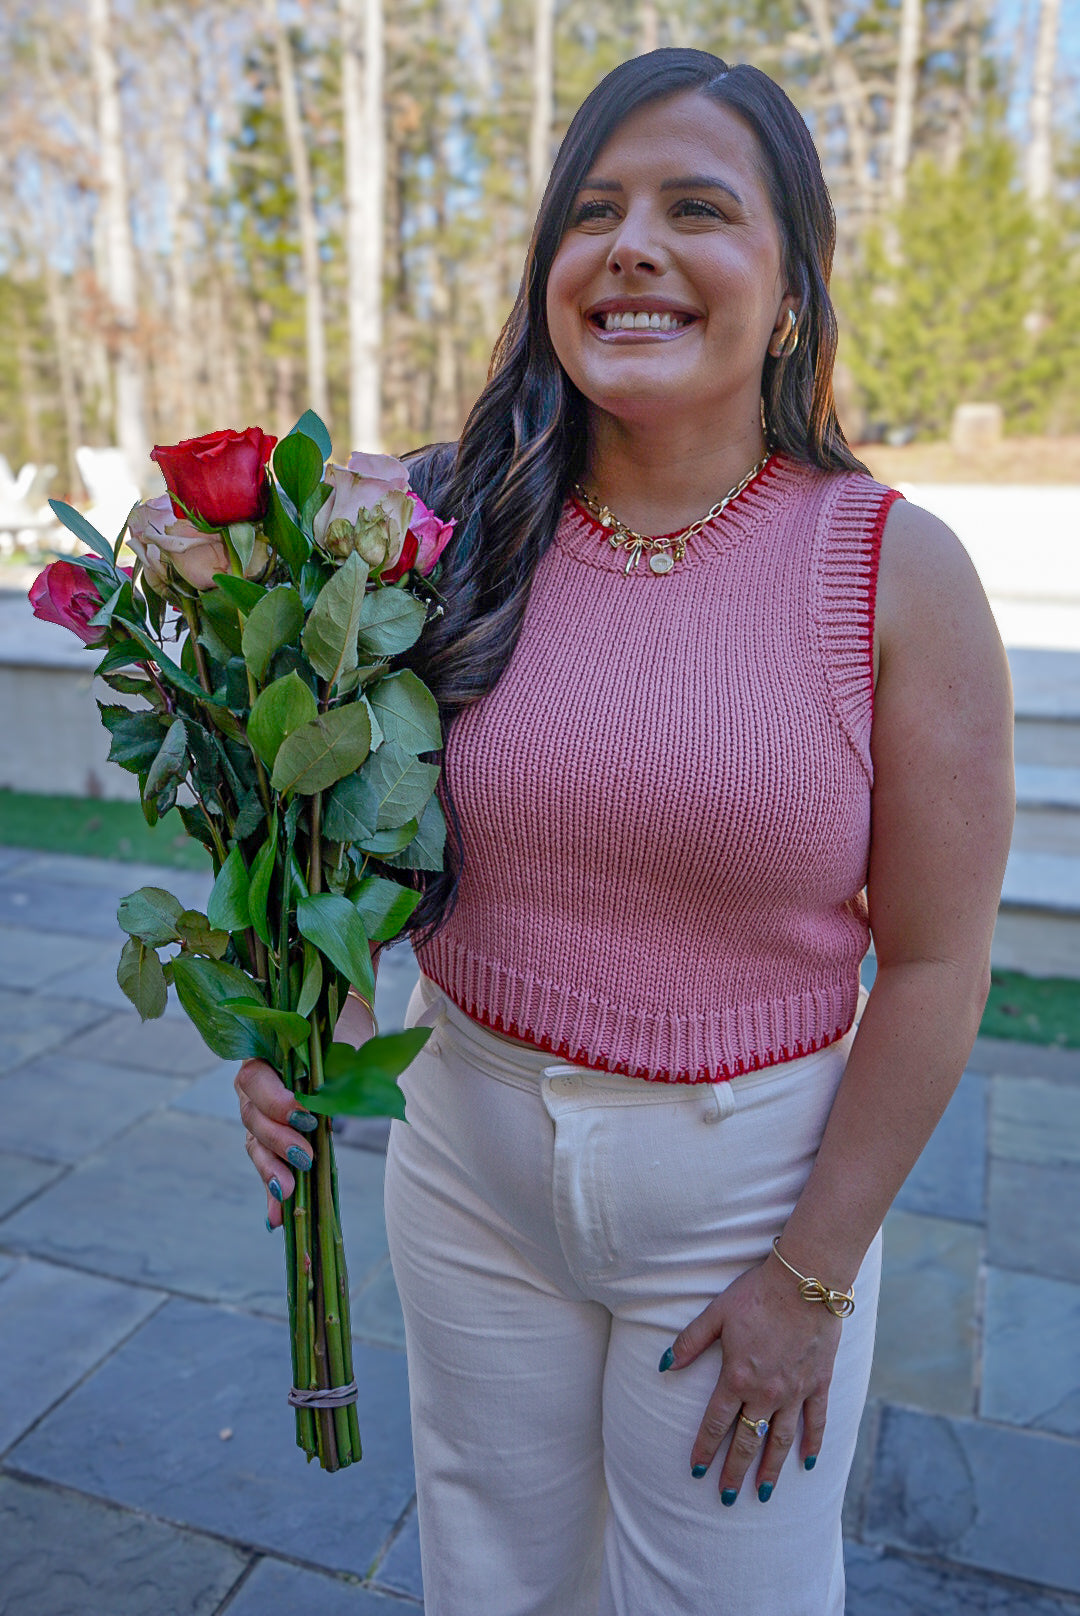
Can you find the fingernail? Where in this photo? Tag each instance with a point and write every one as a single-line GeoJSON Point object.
{"type": "Point", "coordinates": [697, 1471]}
{"type": "Point", "coordinates": [303, 1121]}
{"type": "Point", "coordinates": [808, 1464]}
{"type": "Point", "coordinates": [764, 1492]}
{"type": "Point", "coordinates": [275, 1190]}
{"type": "Point", "coordinates": [298, 1158]}
{"type": "Point", "coordinates": [269, 1225]}
{"type": "Point", "coordinates": [729, 1495]}
{"type": "Point", "coordinates": [667, 1360]}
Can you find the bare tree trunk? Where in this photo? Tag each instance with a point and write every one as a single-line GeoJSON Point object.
{"type": "Point", "coordinates": [365, 169]}
{"type": "Point", "coordinates": [29, 394]}
{"type": "Point", "coordinates": [305, 207]}
{"type": "Point", "coordinates": [182, 403]}
{"type": "Point", "coordinates": [130, 408]}
{"type": "Point", "coordinates": [903, 119]}
{"type": "Point", "coordinates": [56, 298]}
{"type": "Point", "coordinates": [543, 98]}
{"type": "Point", "coordinates": [1040, 153]}
{"type": "Point", "coordinates": [851, 101]}
{"type": "Point", "coordinates": [649, 29]}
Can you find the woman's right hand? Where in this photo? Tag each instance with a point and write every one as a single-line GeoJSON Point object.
{"type": "Point", "coordinates": [278, 1129]}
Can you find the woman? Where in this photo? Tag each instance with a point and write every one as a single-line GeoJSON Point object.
{"type": "Point", "coordinates": [650, 1127]}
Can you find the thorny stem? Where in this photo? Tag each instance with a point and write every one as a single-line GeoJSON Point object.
{"type": "Point", "coordinates": [197, 651]}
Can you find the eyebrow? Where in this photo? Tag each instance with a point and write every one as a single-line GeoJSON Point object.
{"type": "Point", "coordinates": [686, 183]}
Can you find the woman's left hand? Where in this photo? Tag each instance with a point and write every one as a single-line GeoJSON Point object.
{"type": "Point", "coordinates": [778, 1353]}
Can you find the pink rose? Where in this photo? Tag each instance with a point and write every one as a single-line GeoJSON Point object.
{"type": "Point", "coordinates": [369, 510]}
{"type": "Point", "coordinates": [158, 537]}
{"type": "Point", "coordinates": [66, 594]}
{"type": "Point", "coordinates": [432, 536]}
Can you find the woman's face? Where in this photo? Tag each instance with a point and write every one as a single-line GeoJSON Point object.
{"type": "Point", "coordinates": [673, 221]}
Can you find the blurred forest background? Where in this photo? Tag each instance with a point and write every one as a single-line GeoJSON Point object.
{"type": "Point", "coordinates": [218, 212]}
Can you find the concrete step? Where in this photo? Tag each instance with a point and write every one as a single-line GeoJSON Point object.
{"type": "Point", "coordinates": [1046, 692]}
{"type": "Point", "coordinates": [1047, 810]}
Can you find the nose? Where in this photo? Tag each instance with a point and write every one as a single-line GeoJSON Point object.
{"type": "Point", "coordinates": [634, 246]}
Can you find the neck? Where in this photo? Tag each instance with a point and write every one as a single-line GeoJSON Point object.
{"type": "Point", "coordinates": [658, 482]}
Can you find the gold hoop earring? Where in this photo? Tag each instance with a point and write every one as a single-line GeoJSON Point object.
{"type": "Point", "coordinates": [790, 340]}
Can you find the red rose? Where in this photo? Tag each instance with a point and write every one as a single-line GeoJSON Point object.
{"type": "Point", "coordinates": [220, 477]}
{"type": "Point", "coordinates": [407, 558]}
{"type": "Point", "coordinates": [65, 594]}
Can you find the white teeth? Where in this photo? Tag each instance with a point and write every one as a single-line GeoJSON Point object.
{"type": "Point", "coordinates": [626, 321]}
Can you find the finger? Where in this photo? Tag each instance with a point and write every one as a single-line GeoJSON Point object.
{"type": "Point", "coordinates": [277, 1137]}
{"type": "Point", "coordinates": [744, 1451]}
{"type": "Point", "coordinates": [814, 1411]}
{"type": "Point", "coordinates": [258, 1082]}
{"type": "Point", "coordinates": [279, 1181]}
{"type": "Point", "coordinates": [778, 1444]}
{"type": "Point", "coordinates": [720, 1414]}
{"type": "Point", "coordinates": [691, 1342]}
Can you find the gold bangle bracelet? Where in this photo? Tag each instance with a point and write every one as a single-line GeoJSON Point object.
{"type": "Point", "coordinates": [841, 1304]}
{"type": "Point", "coordinates": [370, 1008]}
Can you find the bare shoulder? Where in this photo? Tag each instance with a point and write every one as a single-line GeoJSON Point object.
{"type": "Point", "coordinates": [931, 606]}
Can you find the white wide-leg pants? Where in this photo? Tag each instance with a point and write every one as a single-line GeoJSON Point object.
{"type": "Point", "coordinates": [551, 1230]}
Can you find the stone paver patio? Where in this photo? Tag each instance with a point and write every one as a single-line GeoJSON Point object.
{"type": "Point", "coordinates": [147, 1465]}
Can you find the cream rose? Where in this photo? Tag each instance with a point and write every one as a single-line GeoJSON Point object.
{"type": "Point", "coordinates": [369, 509]}
{"type": "Point", "coordinates": [161, 540]}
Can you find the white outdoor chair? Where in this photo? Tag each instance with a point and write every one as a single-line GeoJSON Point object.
{"type": "Point", "coordinates": [111, 486]}
{"type": "Point", "coordinates": [25, 518]}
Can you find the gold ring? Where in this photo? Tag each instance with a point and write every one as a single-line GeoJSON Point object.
{"type": "Point", "coordinates": [759, 1427]}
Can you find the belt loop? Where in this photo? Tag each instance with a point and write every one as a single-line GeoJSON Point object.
{"type": "Point", "coordinates": [712, 1111]}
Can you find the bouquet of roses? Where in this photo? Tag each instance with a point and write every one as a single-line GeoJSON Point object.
{"type": "Point", "coordinates": [294, 750]}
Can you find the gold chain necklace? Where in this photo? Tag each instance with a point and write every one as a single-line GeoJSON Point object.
{"type": "Point", "coordinates": [661, 560]}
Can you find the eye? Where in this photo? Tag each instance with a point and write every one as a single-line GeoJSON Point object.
{"type": "Point", "coordinates": [692, 206]}
{"type": "Point", "coordinates": [701, 208]}
{"type": "Point", "coordinates": [588, 210]}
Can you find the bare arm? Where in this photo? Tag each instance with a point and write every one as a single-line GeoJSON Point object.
{"type": "Point", "coordinates": [942, 813]}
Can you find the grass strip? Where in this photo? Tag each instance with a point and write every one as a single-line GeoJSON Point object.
{"type": "Point", "coordinates": [1033, 1009]}
{"type": "Point", "coordinates": [97, 829]}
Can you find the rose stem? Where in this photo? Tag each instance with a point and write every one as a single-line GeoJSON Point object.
{"type": "Point", "coordinates": [192, 621]}
{"type": "Point", "coordinates": [331, 1287]}
{"type": "Point", "coordinates": [304, 1328]}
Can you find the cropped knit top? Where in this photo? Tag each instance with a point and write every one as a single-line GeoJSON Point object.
{"type": "Point", "coordinates": [665, 800]}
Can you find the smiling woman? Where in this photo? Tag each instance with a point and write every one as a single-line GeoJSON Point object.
{"type": "Point", "coordinates": [634, 1219]}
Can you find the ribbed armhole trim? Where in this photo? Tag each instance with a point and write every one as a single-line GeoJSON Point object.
{"type": "Point", "coordinates": [850, 552]}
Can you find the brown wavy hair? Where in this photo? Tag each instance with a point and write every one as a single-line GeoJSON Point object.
{"type": "Point", "coordinates": [505, 480]}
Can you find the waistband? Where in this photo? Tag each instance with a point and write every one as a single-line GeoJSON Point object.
{"type": "Point", "coordinates": [524, 1067]}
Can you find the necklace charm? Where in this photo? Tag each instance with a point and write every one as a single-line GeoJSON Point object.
{"type": "Point", "coordinates": [661, 562]}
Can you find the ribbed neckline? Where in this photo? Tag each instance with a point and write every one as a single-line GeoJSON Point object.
{"type": "Point", "coordinates": [580, 535]}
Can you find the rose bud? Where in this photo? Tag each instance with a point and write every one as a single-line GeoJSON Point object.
{"type": "Point", "coordinates": [157, 538]}
{"type": "Point", "coordinates": [432, 535]}
{"type": "Point", "coordinates": [364, 513]}
{"type": "Point", "coordinates": [67, 595]}
{"type": "Point", "coordinates": [220, 478]}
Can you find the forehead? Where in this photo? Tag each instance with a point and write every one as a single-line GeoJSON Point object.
{"type": "Point", "coordinates": [688, 133]}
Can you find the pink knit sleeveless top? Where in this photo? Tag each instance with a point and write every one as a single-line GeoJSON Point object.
{"type": "Point", "coordinates": [665, 801]}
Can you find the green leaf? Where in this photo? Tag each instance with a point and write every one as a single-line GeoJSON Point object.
{"type": "Point", "coordinates": [283, 535]}
{"type": "Point", "coordinates": [136, 737]}
{"type": "Point", "coordinates": [197, 934]}
{"type": "Point", "coordinates": [384, 842]}
{"type": "Point", "coordinates": [250, 816]}
{"type": "Point", "coordinates": [391, 620]}
{"type": "Point", "coordinates": [151, 914]}
{"type": "Point", "coordinates": [76, 523]}
{"type": "Point", "coordinates": [121, 602]}
{"type": "Point", "coordinates": [241, 592]}
{"type": "Point", "coordinates": [407, 712]}
{"type": "Point", "coordinates": [171, 762]}
{"type": "Point", "coordinates": [202, 986]}
{"type": "Point", "coordinates": [169, 670]}
{"type": "Point", "coordinates": [363, 1082]}
{"type": "Point", "coordinates": [130, 685]}
{"type": "Point", "coordinates": [227, 909]}
{"type": "Point", "coordinates": [312, 427]}
{"type": "Point", "coordinates": [288, 1028]}
{"type": "Point", "coordinates": [281, 708]}
{"type": "Point", "coordinates": [426, 849]}
{"type": "Point", "coordinates": [242, 539]}
{"type": "Point", "coordinates": [262, 871]}
{"type": "Point", "coordinates": [274, 621]}
{"type": "Point", "coordinates": [401, 784]}
{"type": "Point", "coordinates": [120, 655]}
{"type": "Point", "coordinates": [335, 928]}
{"type": "Point", "coordinates": [329, 636]}
{"type": "Point", "coordinates": [384, 906]}
{"type": "Point", "coordinates": [351, 809]}
{"type": "Point", "coordinates": [311, 986]}
{"type": "Point", "coordinates": [317, 754]}
{"type": "Point", "coordinates": [298, 465]}
{"type": "Point", "coordinates": [140, 976]}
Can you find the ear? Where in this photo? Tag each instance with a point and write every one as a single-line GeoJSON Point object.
{"type": "Point", "coordinates": [786, 327]}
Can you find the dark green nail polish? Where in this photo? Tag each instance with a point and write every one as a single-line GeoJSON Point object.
{"type": "Point", "coordinates": [808, 1464]}
{"type": "Point", "coordinates": [697, 1471]}
{"type": "Point", "coordinates": [298, 1158]}
{"type": "Point", "coordinates": [667, 1360]}
{"type": "Point", "coordinates": [764, 1492]}
{"type": "Point", "coordinates": [728, 1496]}
{"type": "Point", "coordinates": [303, 1121]}
{"type": "Point", "coordinates": [269, 1225]}
{"type": "Point", "coordinates": [275, 1189]}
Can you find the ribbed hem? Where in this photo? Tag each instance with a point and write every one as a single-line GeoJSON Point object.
{"type": "Point", "coordinates": [668, 1048]}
